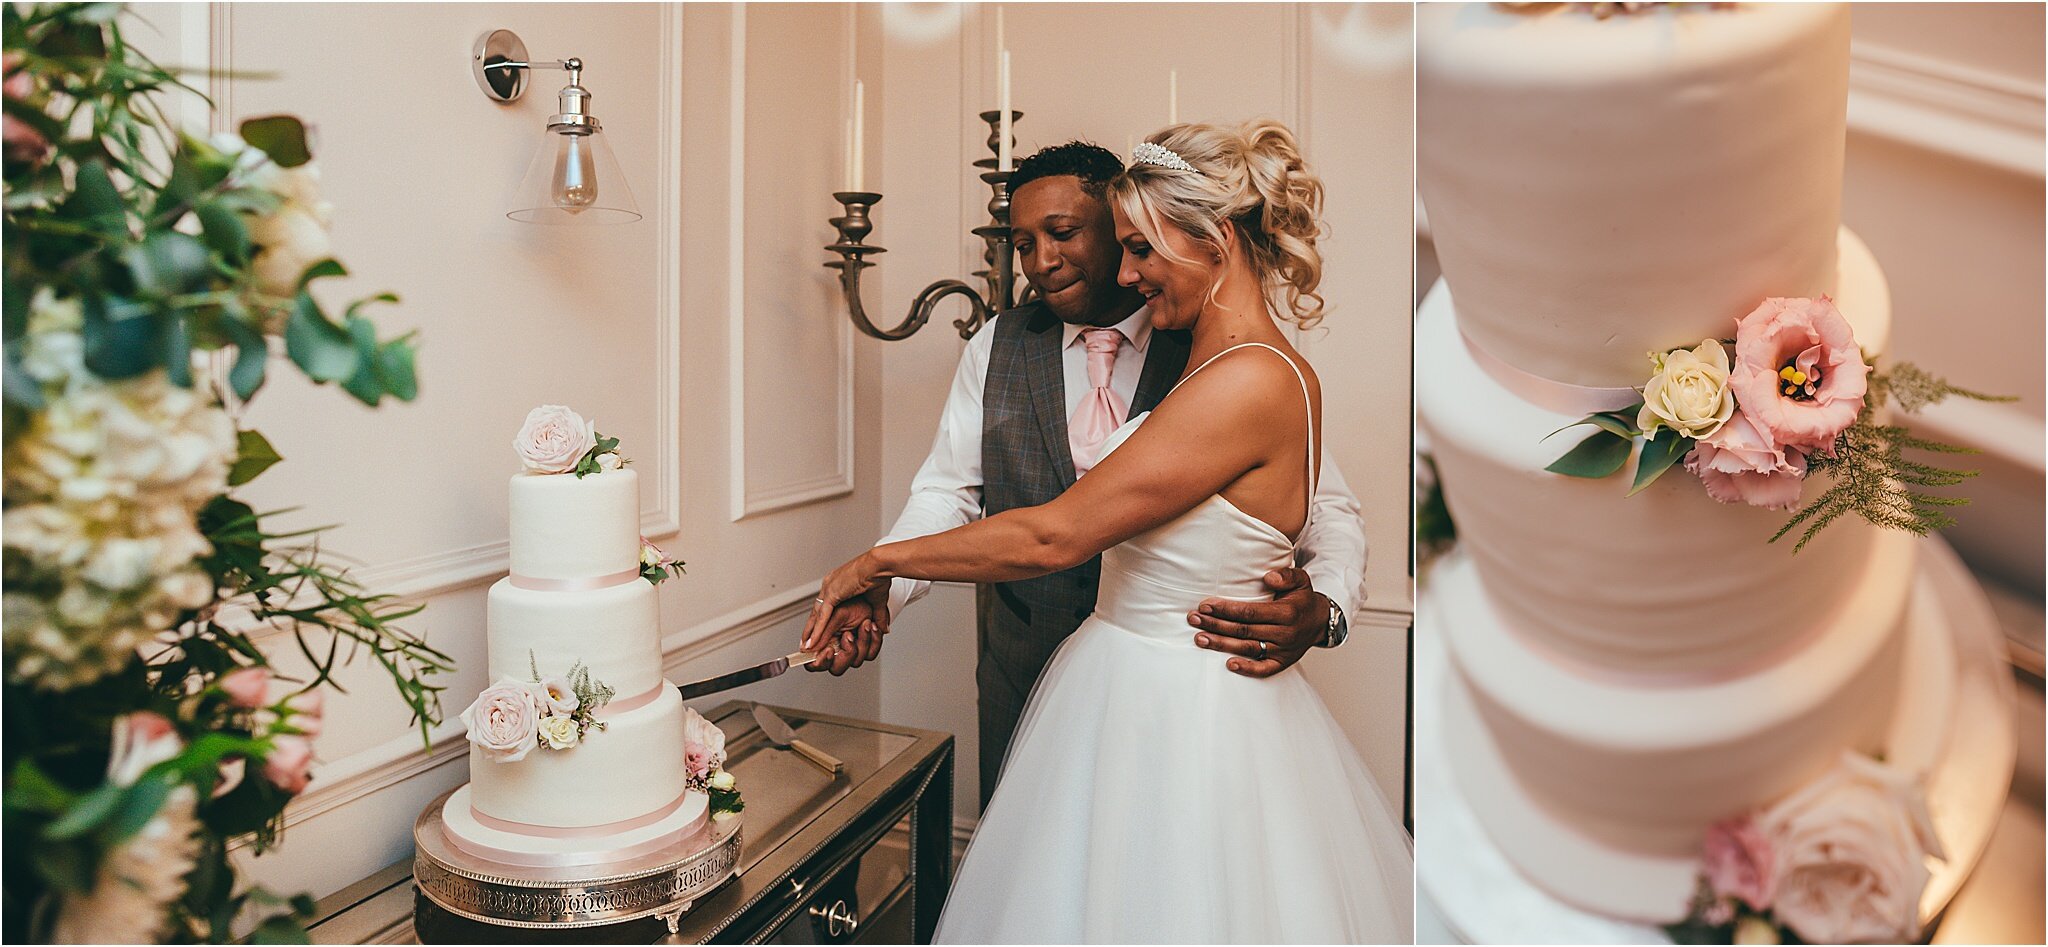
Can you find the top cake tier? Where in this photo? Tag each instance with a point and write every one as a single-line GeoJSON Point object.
{"type": "Point", "coordinates": [569, 528]}
{"type": "Point", "coordinates": [1599, 188]}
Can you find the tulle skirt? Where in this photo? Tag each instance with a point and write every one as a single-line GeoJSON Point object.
{"type": "Point", "coordinates": [1151, 796]}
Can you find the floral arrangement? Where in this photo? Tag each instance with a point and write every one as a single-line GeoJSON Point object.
{"type": "Point", "coordinates": [704, 764]}
{"type": "Point", "coordinates": [147, 273]}
{"type": "Point", "coordinates": [656, 565]}
{"type": "Point", "coordinates": [512, 717]}
{"type": "Point", "coordinates": [1841, 861]}
{"type": "Point", "coordinates": [1798, 398]}
{"type": "Point", "coordinates": [556, 440]}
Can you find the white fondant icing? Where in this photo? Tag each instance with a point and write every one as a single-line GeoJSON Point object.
{"type": "Point", "coordinates": [629, 769]}
{"type": "Point", "coordinates": [610, 630]}
{"type": "Point", "coordinates": [1666, 581]}
{"type": "Point", "coordinates": [568, 528]}
{"type": "Point", "coordinates": [1598, 188]}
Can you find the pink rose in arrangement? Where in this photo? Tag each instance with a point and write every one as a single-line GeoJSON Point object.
{"type": "Point", "coordinates": [308, 711]}
{"type": "Point", "coordinates": [23, 142]}
{"type": "Point", "coordinates": [504, 721]}
{"type": "Point", "coordinates": [1850, 855]}
{"type": "Point", "coordinates": [1798, 373]}
{"type": "Point", "coordinates": [289, 764]}
{"type": "Point", "coordinates": [1739, 463]}
{"type": "Point", "coordinates": [554, 439]}
{"type": "Point", "coordinates": [1738, 862]}
{"type": "Point", "coordinates": [246, 687]}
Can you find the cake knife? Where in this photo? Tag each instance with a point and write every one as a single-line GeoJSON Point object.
{"type": "Point", "coordinates": [781, 734]}
{"type": "Point", "coordinates": [759, 672]}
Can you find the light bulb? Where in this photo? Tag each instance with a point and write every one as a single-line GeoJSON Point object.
{"type": "Point", "coordinates": [575, 183]}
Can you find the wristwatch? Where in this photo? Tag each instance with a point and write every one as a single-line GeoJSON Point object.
{"type": "Point", "coordinates": [1340, 628]}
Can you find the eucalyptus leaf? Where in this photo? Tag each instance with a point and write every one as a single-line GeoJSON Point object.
{"type": "Point", "coordinates": [367, 384]}
{"type": "Point", "coordinates": [31, 790]}
{"type": "Point", "coordinates": [279, 929]}
{"type": "Point", "coordinates": [252, 356]}
{"type": "Point", "coordinates": [167, 262]}
{"type": "Point", "coordinates": [177, 342]}
{"type": "Point", "coordinates": [91, 810]}
{"type": "Point", "coordinates": [224, 231]}
{"type": "Point", "coordinates": [282, 137]}
{"type": "Point", "coordinates": [1659, 453]}
{"type": "Point", "coordinates": [139, 804]}
{"type": "Point", "coordinates": [395, 361]}
{"type": "Point", "coordinates": [319, 347]}
{"type": "Point", "coordinates": [253, 456]}
{"type": "Point", "coordinates": [96, 199]}
{"type": "Point", "coordinates": [322, 269]}
{"type": "Point", "coordinates": [1599, 455]}
{"type": "Point", "coordinates": [120, 337]}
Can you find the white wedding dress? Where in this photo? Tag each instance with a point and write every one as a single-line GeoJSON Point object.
{"type": "Point", "coordinates": [1152, 796]}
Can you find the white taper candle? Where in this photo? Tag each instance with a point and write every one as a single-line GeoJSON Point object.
{"type": "Point", "coordinates": [860, 101]}
{"type": "Point", "coordinates": [1003, 134]}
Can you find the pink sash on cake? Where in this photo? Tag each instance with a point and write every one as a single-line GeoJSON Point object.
{"type": "Point", "coordinates": [1546, 393]}
{"type": "Point", "coordinates": [574, 585]}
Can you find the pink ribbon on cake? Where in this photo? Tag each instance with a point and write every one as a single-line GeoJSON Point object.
{"type": "Point", "coordinates": [570, 859]}
{"type": "Point", "coordinates": [574, 585]}
{"type": "Point", "coordinates": [635, 702]}
{"type": "Point", "coordinates": [1547, 393]}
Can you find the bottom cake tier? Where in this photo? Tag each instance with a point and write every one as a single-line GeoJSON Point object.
{"type": "Point", "coordinates": [544, 847]}
{"type": "Point", "coordinates": [1607, 819]}
{"type": "Point", "coordinates": [629, 769]}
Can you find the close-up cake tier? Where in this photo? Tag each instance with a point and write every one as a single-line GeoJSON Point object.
{"type": "Point", "coordinates": [582, 786]}
{"type": "Point", "coordinates": [614, 631]}
{"type": "Point", "coordinates": [1613, 581]}
{"type": "Point", "coordinates": [573, 529]}
{"type": "Point", "coordinates": [1600, 187]}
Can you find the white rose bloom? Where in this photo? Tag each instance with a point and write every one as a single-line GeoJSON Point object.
{"type": "Point", "coordinates": [608, 461]}
{"type": "Point", "coordinates": [122, 564]}
{"type": "Point", "coordinates": [1851, 855]}
{"type": "Point", "coordinates": [559, 732]}
{"type": "Point", "coordinates": [1689, 392]}
{"type": "Point", "coordinates": [722, 780]}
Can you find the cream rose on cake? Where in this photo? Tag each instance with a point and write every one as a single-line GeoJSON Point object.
{"type": "Point", "coordinates": [1688, 392]}
{"type": "Point", "coordinates": [1851, 850]}
{"type": "Point", "coordinates": [554, 439]}
{"type": "Point", "coordinates": [560, 731]}
{"type": "Point", "coordinates": [504, 720]}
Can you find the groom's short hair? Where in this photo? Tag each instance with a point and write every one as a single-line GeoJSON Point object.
{"type": "Point", "coordinates": [1093, 164]}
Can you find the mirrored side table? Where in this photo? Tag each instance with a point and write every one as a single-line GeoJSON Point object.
{"type": "Point", "coordinates": [864, 857]}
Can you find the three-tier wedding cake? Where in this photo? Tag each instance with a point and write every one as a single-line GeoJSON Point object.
{"type": "Point", "coordinates": [1638, 677]}
{"type": "Point", "coordinates": [577, 751]}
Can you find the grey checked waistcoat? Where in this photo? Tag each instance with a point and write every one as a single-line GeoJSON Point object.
{"type": "Point", "coordinates": [1026, 461]}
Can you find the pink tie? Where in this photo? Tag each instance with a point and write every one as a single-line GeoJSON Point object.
{"type": "Point", "coordinates": [1101, 411]}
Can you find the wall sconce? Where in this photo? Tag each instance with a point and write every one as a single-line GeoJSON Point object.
{"type": "Point", "coordinates": [573, 178]}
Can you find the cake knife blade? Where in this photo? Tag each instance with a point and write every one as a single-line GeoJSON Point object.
{"type": "Point", "coordinates": [759, 672]}
{"type": "Point", "coordinates": [781, 734]}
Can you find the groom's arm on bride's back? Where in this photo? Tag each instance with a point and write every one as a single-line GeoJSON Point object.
{"type": "Point", "coordinates": [1214, 429]}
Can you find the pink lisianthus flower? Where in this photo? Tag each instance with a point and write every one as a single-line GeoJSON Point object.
{"type": "Point", "coordinates": [1810, 338]}
{"type": "Point", "coordinates": [1739, 463]}
{"type": "Point", "coordinates": [1737, 860]}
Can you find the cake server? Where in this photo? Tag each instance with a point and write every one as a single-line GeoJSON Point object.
{"type": "Point", "coordinates": [759, 672]}
{"type": "Point", "coordinates": [779, 731]}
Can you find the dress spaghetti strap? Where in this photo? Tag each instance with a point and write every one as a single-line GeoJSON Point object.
{"type": "Point", "coordinates": [1308, 404]}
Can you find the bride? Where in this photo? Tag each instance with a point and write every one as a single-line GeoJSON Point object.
{"type": "Point", "coordinates": [1150, 794]}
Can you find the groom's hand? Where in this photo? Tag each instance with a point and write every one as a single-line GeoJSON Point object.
{"type": "Point", "coordinates": [1296, 620]}
{"type": "Point", "coordinates": [854, 632]}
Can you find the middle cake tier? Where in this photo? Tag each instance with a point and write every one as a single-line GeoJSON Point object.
{"type": "Point", "coordinates": [1666, 582]}
{"type": "Point", "coordinates": [615, 632]}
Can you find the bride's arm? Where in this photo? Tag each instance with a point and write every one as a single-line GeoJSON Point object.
{"type": "Point", "coordinates": [1222, 423]}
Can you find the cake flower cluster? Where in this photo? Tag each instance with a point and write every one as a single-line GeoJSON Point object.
{"type": "Point", "coordinates": [512, 718]}
{"type": "Point", "coordinates": [1841, 861]}
{"type": "Point", "coordinates": [704, 765]}
{"type": "Point", "coordinates": [556, 440]}
{"type": "Point", "coordinates": [1797, 397]}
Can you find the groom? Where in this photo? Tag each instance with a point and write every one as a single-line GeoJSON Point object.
{"type": "Point", "coordinates": [1037, 391]}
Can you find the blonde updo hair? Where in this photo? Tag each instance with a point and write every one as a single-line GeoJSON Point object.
{"type": "Point", "coordinates": [1253, 176]}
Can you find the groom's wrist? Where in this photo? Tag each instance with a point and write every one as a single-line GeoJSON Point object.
{"type": "Point", "coordinates": [1337, 627]}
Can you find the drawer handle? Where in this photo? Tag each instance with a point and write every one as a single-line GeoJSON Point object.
{"type": "Point", "coordinates": [838, 920]}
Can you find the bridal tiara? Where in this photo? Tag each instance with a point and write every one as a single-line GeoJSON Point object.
{"type": "Point", "coordinates": [1146, 152]}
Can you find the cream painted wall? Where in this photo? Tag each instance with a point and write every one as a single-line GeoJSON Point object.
{"type": "Point", "coordinates": [1339, 75]}
{"type": "Point", "coordinates": [701, 335]}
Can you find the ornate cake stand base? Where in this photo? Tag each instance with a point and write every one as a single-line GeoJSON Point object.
{"type": "Point", "coordinates": [1486, 900]}
{"type": "Point", "coordinates": [661, 885]}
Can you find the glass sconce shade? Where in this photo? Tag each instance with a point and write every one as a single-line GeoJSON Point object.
{"type": "Point", "coordinates": [574, 179]}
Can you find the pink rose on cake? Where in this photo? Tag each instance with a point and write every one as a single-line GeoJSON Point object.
{"type": "Point", "coordinates": [1851, 852]}
{"type": "Point", "coordinates": [504, 720]}
{"type": "Point", "coordinates": [554, 439]}
{"type": "Point", "coordinates": [1798, 373]}
{"type": "Point", "coordinates": [1739, 463]}
{"type": "Point", "coordinates": [703, 747]}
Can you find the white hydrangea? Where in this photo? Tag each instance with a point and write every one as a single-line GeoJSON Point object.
{"type": "Point", "coordinates": [104, 486]}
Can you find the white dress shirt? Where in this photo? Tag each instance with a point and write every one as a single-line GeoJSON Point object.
{"type": "Point", "coordinates": [946, 493]}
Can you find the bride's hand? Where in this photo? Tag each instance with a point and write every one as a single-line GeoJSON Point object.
{"type": "Point", "coordinates": [856, 577]}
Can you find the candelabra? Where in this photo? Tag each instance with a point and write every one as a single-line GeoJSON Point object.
{"type": "Point", "coordinates": [998, 278]}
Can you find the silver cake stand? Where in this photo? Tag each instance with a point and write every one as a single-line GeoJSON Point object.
{"type": "Point", "coordinates": [663, 884]}
{"type": "Point", "coordinates": [1484, 899]}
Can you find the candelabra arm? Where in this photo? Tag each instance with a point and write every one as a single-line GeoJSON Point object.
{"type": "Point", "coordinates": [921, 308]}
